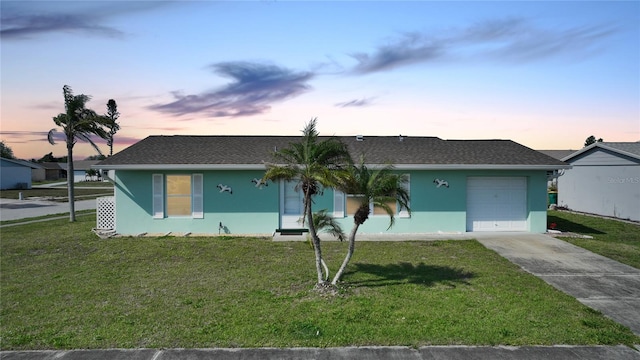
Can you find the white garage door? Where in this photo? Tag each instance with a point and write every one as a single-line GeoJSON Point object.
{"type": "Point", "coordinates": [497, 204]}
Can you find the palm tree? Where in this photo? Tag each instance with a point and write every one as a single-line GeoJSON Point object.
{"type": "Point", "coordinates": [324, 222]}
{"type": "Point", "coordinates": [313, 164]}
{"type": "Point", "coordinates": [77, 123]}
{"type": "Point", "coordinates": [381, 188]}
{"type": "Point", "coordinates": [113, 126]}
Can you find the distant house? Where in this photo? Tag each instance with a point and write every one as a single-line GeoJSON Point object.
{"type": "Point", "coordinates": [38, 174]}
{"type": "Point", "coordinates": [15, 174]}
{"type": "Point", "coordinates": [604, 180]}
{"type": "Point", "coordinates": [556, 154]}
{"type": "Point", "coordinates": [80, 169]}
{"type": "Point", "coordinates": [201, 184]}
{"type": "Point", "coordinates": [55, 171]}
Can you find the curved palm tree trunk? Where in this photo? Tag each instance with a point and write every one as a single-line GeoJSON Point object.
{"type": "Point", "coordinates": [352, 248]}
{"type": "Point", "coordinates": [324, 264]}
{"type": "Point", "coordinates": [326, 270]}
{"type": "Point", "coordinates": [70, 183]}
{"type": "Point", "coordinates": [314, 238]}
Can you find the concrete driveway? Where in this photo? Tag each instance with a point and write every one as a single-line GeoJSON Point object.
{"type": "Point", "coordinates": [596, 281]}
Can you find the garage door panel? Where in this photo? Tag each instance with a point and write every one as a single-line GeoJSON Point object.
{"type": "Point", "coordinates": [496, 204]}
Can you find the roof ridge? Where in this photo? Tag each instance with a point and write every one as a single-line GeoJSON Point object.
{"type": "Point", "coordinates": [244, 150]}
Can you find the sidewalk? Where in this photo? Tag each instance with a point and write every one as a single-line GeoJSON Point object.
{"type": "Point", "coordinates": [12, 209]}
{"type": "Point", "coordinates": [360, 353]}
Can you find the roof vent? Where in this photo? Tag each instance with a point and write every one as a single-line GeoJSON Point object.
{"type": "Point", "coordinates": [359, 138]}
{"type": "Point", "coordinates": [400, 137]}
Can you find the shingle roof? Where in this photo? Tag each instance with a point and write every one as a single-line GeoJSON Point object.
{"type": "Point", "coordinates": [628, 147]}
{"type": "Point", "coordinates": [23, 163]}
{"type": "Point", "coordinates": [53, 165]}
{"type": "Point", "coordinates": [82, 164]}
{"type": "Point", "coordinates": [557, 154]}
{"type": "Point", "coordinates": [202, 151]}
{"type": "Point", "coordinates": [631, 149]}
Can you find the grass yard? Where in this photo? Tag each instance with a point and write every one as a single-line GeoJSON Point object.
{"type": "Point", "coordinates": [62, 287]}
{"type": "Point", "coordinates": [614, 239]}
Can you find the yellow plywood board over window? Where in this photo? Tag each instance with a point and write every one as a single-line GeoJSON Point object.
{"type": "Point", "coordinates": [178, 195]}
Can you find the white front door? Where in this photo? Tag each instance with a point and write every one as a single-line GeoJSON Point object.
{"type": "Point", "coordinates": [497, 204]}
{"type": "Point", "coordinates": [291, 207]}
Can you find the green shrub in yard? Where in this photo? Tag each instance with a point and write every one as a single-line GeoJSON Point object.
{"type": "Point", "coordinates": [62, 287]}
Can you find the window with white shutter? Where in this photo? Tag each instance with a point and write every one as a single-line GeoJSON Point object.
{"type": "Point", "coordinates": [338, 204]}
{"type": "Point", "coordinates": [178, 196]}
{"type": "Point", "coordinates": [404, 213]}
{"type": "Point", "coordinates": [158, 196]}
{"type": "Point", "coordinates": [198, 197]}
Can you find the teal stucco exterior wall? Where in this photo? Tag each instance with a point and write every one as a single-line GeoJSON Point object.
{"type": "Point", "coordinates": [537, 201]}
{"type": "Point", "coordinates": [441, 209]}
{"type": "Point", "coordinates": [251, 210]}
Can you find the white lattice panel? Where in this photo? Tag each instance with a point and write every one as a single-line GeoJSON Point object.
{"type": "Point", "coordinates": [106, 213]}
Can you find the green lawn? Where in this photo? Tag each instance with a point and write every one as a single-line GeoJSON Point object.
{"type": "Point", "coordinates": [614, 239]}
{"type": "Point", "coordinates": [62, 287]}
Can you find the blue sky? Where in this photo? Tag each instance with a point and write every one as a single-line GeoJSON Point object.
{"type": "Point", "coordinates": [544, 74]}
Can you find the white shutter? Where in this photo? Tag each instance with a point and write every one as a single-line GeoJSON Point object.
{"type": "Point", "coordinates": [404, 213]}
{"type": "Point", "coordinates": [197, 197]}
{"type": "Point", "coordinates": [338, 204]}
{"type": "Point", "coordinates": [158, 196]}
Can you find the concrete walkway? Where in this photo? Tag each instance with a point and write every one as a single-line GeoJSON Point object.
{"type": "Point", "coordinates": [596, 281]}
{"type": "Point", "coordinates": [11, 209]}
{"type": "Point", "coordinates": [370, 353]}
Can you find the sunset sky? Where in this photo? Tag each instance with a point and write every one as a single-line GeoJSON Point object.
{"type": "Point", "coordinates": [545, 74]}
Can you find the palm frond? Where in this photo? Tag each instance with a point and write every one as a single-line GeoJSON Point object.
{"type": "Point", "coordinates": [326, 223]}
{"type": "Point", "coordinates": [50, 136]}
{"type": "Point", "coordinates": [379, 187]}
{"type": "Point", "coordinates": [87, 138]}
{"type": "Point", "coordinates": [78, 122]}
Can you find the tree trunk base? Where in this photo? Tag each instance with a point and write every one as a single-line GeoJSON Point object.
{"type": "Point", "coordinates": [326, 288]}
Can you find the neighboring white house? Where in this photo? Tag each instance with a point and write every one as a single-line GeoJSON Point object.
{"type": "Point", "coordinates": [604, 180]}
{"type": "Point", "coordinates": [80, 168]}
{"type": "Point", "coordinates": [552, 184]}
{"type": "Point", "coordinates": [15, 174]}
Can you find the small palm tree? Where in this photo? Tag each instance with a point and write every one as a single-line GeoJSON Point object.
{"type": "Point", "coordinates": [313, 163]}
{"type": "Point", "coordinates": [77, 123]}
{"type": "Point", "coordinates": [380, 188]}
{"type": "Point", "coordinates": [324, 222]}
